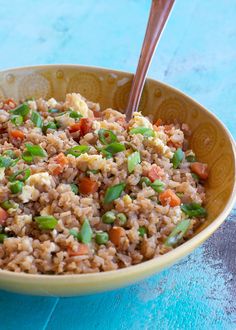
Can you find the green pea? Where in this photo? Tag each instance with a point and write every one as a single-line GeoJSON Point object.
{"type": "Point", "coordinates": [108, 217]}
{"type": "Point", "coordinates": [2, 237]}
{"type": "Point", "coordinates": [74, 188]}
{"type": "Point", "coordinates": [122, 218]}
{"type": "Point", "coordinates": [101, 238]}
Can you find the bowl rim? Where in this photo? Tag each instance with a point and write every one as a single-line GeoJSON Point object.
{"type": "Point", "coordinates": [151, 265]}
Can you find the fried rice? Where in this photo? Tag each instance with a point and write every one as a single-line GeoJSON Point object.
{"type": "Point", "coordinates": [82, 190]}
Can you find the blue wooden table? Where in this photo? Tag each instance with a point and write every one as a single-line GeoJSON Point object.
{"type": "Point", "coordinates": [197, 54]}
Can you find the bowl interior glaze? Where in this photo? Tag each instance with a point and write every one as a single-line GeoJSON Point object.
{"type": "Point", "coordinates": [210, 140]}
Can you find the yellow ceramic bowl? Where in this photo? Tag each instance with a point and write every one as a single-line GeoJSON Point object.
{"type": "Point", "coordinates": [210, 140]}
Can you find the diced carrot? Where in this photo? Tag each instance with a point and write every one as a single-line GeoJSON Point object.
{"type": "Point", "coordinates": [10, 103]}
{"type": "Point", "coordinates": [200, 169]}
{"type": "Point", "coordinates": [16, 134]}
{"type": "Point", "coordinates": [81, 250]}
{"type": "Point", "coordinates": [86, 126]}
{"type": "Point", "coordinates": [62, 161]}
{"type": "Point", "coordinates": [159, 122]}
{"type": "Point", "coordinates": [75, 127]}
{"type": "Point", "coordinates": [115, 235]}
{"type": "Point", "coordinates": [3, 216]}
{"type": "Point", "coordinates": [87, 186]}
{"type": "Point", "coordinates": [155, 173]}
{"type": "Point", "coordinates": [169, 197]}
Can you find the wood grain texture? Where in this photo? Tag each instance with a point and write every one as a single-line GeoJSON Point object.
{"type": "Point", "coordinates": [196, 54]}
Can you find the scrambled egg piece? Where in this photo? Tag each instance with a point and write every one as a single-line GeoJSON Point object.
{"type": "Point", "coordinates": [76, 102]}
{"type": "Point", "coordinates": [39, 179]}
{"type": "Point", "coordinates": [95, 162]}
{"type": "Point", "coordinates": [140, 121]}
{"type": "Point", "coordinates": [29, 193]}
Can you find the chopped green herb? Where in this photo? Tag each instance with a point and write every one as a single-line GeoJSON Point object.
{"type": "Point", "coordinates": [191, 159]}
{"type": "Point", "coordinates": [142, 231]}
{"type": "Point", "coordinates": [177, 233]}
{"type": "Point", "coordinates": [122, 218]}
{"type": "Point", "coordinates": [113, 192]}
{"type": "Point", "coordinates": [16, 187]}
{"type": "Point", "coordinates": [17, 120]}
{"type": "Point", "coordinates": [158, 186]}
{"type": "Point", "coordinates": [106, 136]}
{"type": "Point", "coordinates": [74, 188]}
{"type": "Point", "coordinates": [2, 237]}
{"type": "Point", "coordinates": [35, 150]}
{"type": "Point", "coordinates": [46, 221]}
{"type": "Point", "coordinates": [21, 175]}
{"type": "Point", "coordinates": [133, 160]}
{"type": "Point", "coordinates": [108, 217]}
{"type": "Point", "coordinates": [77, 150]}
{"type": "Point", "coordinates": [51, 125]}
{"type": "Point", "coordinates": [101, 238]}
{"type": "Point", "coordinates": [36, 119]}
{"type": "Point", "coordinates": [22, 110]}
{"type": "Point", "coordinates": [85, 234]}
{"type": "Point", "coordinates": [177, 158]}
{"type": "Point", "coordinates": [6, 205]}
{"type": "Point", "coordinates": [147, 132]}
{"type": "Point", "coordinates": [194, 210]}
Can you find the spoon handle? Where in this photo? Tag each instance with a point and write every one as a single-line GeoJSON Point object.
{"type": "Point", "coordinates": [160, 10]}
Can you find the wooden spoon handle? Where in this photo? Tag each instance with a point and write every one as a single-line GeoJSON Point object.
{"type": "Point", "coordinates": [160, 10]}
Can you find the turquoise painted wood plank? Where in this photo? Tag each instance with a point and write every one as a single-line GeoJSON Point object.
{"type": "Point", "coordinates": [196, 54]}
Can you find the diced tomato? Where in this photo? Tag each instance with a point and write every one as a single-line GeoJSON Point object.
{"type": "Point", "coordinates": [81, 250]}
{"type": "Point", "coordinates": [16, 134]}
{"type": "Point", "coordinates": [115, 235]}
{"type": "Point", "coordinates": [155, 173]}
{"type": "Point", "coordinates": [84, 126]}
{"type": "Point", "coordinates": [87, 186]}
{"type": "Point", "coordinates": [10, 103]}
{"type": "Point", "coordinates": [200, 169]}
{"type": "Point", "coordinates": [158, 122]}
{"type": "Point", "coordinates": [3, 216]}
{"type": "Point", "coordinates": [169, 197]}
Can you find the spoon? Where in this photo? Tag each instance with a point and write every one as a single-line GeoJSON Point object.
{"type": "Point", "coordinates": [160, 10]}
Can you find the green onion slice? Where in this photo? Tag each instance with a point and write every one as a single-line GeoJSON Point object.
{"type": "Point", "coordinates": [2, 237]}
{"type": "Point", "coordinates": [21, 175]}
{"type": "Point", "coordinates": [133, 160]}
{"type": "Point", "coordinates": [7, 162]}
{"type": "Point", "coordinates": [16, 187]}
{"type": "Point", "coordinates": [147, 132]}
{"type": "Point", "coordinates": [75, 114]}
{"type": "Point", "coordinates": [6, 205]}
{"type": "Point", "coordinates": [51, 125]}
{"type": "Point", "coordinates": [46, 221]}
{"type": "Point", "coordinates": [177, 158]}
{"type": "Point", "coordinates": [53, 110]}
{"type": "Point", "coordinates": [113, 148]}
{"type": "Point", "coordinates": [194, 210]}
{"type": "Point", "coordinates": [85, 234]}
{"type": "Point", "coordinates": [22, 110]}
{"type": "Point", "coordinates": [74, 188]}
{"type": "Point", "coordinates": [77, 150]}
{"type": "Point", "coordinates": [195, 176]}
{"type": "Point", "coordinates": [191, 159]}
{"type": "Point", "coordinates": [17, 120]}
{"type": "Point", "coordinates": [177, 233]}
{"type": "Point", "coordinates": [35, 150]}
{"type": "Point", "coordinates": [106, 136]}
{"type": "Point", "coordinates": [113, 192]}
{"type": "Point", "coordinates": [142, 231]}
{"type": "Point", "coordinates": [9, 153]}
{"type": "Point", "coordinates": [74, 233]}
{"type": "Point", "coordinates": [27, 157]}
{"type": "Point", "coordinates": [36, 119]}
{"type": "Point", "coordinates": [158, 186]}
